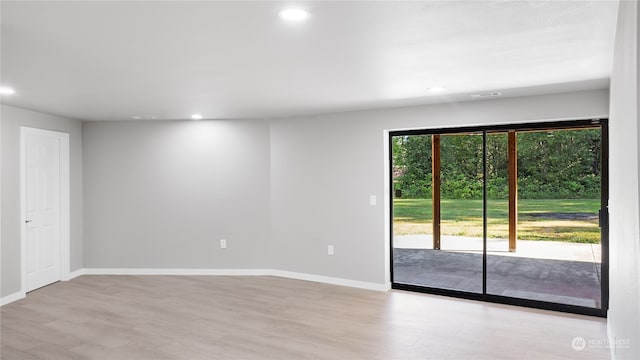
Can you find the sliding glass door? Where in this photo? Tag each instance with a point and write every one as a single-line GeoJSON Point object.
{"type": "Point", "coordinates": [507, 214]}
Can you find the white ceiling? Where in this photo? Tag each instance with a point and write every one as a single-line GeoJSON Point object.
{"type": "Point", "coordinates": [113, 60]}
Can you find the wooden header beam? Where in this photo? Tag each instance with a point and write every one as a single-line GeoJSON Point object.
{"type": "Point", "coordinates": [435, 194]}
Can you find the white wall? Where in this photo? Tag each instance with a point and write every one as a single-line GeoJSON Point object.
{"type": "Point", "coordinates": [162, 194]}
{"type": "Point", "coordinates": [12, 119]}
{"type": "Point", "coordinates": [324, 168]}
{"type": "Point", "coordinates": [624, 205]}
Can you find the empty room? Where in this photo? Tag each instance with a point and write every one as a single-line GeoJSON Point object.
{"type": "Point", "coordinates": [320, 179]}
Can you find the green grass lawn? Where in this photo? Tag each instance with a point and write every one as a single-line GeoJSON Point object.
{"type": "Point", "coordinates": [535, 219]}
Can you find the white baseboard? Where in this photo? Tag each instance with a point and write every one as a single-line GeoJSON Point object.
{"type": "Point", "coordinates": [219, 272]}
{"type": "Point", "coordinates": [241, 272]}
{"type": "Point", "coordinates": [331, 280]}
{"type": "Point", "coordinates": [12, 297]}
{"type": "Point", "coordinates": [611, 337]}
{"type": "Point", "coordinates": [75, 274]}
{"type": "Point", "coordinates": [21, 294]}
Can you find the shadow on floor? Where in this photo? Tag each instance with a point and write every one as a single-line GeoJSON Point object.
{"type": "Point", "coordinates": [559, 281]}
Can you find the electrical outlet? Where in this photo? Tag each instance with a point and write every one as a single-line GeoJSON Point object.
{"type": "Point", "coordinates": [330, 250]}
{"type": "Point", "coordinates": [373, 200]}
{"type": "Point", "coordinates": [223, 244]}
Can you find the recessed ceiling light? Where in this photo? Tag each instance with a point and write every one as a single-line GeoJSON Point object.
{"type": "Point", "coordinates": [196, 116]}
{"type": "Point", "coordinates": [435, 89]}
{"type": "Point", "coordinates": [6, 90]}
{"type": "Point", "coordinates": [293, 14]}
{"type": "Point", "coordinates": [483, 95]}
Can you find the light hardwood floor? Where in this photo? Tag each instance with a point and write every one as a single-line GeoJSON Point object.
{"type": "Point", "coordinates": [218, 317]}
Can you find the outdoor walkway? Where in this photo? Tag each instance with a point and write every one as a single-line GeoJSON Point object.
{"type": "Point", "coordinates": [555, 250]}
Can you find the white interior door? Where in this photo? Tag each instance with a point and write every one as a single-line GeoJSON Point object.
{"type": "Point", "coordinates": [42, 207]}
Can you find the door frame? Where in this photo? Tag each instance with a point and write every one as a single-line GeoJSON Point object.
{"type": "Point", "coordinates": [65, 208]}
{"type": "Point", "coordinates": [603, 123]}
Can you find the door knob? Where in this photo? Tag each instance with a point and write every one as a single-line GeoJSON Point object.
{"type": "Point", "coordinates": [28, 221]}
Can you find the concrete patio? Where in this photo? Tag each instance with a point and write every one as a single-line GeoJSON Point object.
{"type": "Point", "coordinates": [565, 273]}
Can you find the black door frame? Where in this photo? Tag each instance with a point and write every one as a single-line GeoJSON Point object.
{"type": "Point", "coordinates": [604, 215]}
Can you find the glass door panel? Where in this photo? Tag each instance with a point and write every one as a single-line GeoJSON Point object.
{"type": "Point", "coordinates": [437, 211]}
{"type": "Point", "coordinates": [458, 262]}
{"type": "Point", "coordinates": [412, 208]}
{"type": "Point", "coordinates": [556, 255]}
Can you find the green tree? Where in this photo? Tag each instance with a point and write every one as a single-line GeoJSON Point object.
{"type": "Point", "coordinates": [551, 164]}
{"type": "Point", "coordinates": [412, 167]}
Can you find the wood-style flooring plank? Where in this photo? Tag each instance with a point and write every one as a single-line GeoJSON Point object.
{"type": "Point", "coordinates": [261, 317]}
